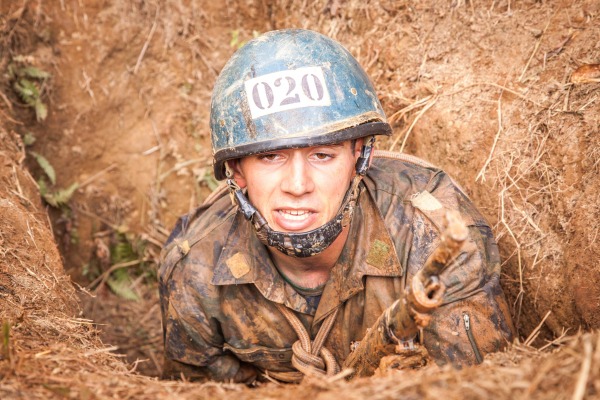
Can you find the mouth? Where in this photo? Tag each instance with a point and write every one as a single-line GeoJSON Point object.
{"type": "Point", "coordinates": [298, 219]}
{"type": "Point", "coordinates": [295, 215]}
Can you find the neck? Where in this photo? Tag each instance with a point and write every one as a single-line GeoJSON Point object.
{"type": "Point", "coordinates": [310, 272]}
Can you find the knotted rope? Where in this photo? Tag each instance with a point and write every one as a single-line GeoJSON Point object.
{"type": "Point", "coordinates": [309, 357]}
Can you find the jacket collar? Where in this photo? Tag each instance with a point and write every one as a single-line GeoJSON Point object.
{"type": "Point", "coordinates": [369, 250]}
{"type": "Point", "coordinates": [245, 260]}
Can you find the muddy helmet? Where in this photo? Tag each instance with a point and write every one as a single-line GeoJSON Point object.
{"type": "Point", "coordinates": [289, 89]}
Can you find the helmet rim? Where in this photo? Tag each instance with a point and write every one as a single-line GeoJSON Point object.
{"type": "Point", "coordinates": [297, 142]}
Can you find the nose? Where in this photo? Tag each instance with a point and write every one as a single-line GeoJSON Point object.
{"type": "Point", "coordinates": [297, 179]}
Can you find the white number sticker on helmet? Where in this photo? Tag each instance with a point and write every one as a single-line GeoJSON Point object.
{"type": "Point", "coordinates": [287, 90]}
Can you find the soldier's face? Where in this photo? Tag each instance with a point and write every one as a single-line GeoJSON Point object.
{"type": "Point", "coordinates": [297, 190]}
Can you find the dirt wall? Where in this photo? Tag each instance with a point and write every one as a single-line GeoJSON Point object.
{"type": "Point", "coordinates": [482, 89]}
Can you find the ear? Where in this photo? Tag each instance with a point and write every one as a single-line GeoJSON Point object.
{"type": "Point", "coordinates": [357, 147]}
{"type": "Point", "coordinates": [238, 174]}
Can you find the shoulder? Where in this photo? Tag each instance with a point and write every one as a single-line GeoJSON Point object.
{"type": "Point", "coordinates": [402, 180]}
{"type": "Point", "coordinates": [414, 197]}
{"type": "Point", "coordinates": [396, 171]}
{"type": "Point", "coordinates": [196, 236]}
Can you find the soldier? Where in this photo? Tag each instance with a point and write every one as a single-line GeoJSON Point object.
{"type": "Point", "coordinates": [320, 233]}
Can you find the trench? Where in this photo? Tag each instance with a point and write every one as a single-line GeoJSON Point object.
{"type": "Point", "coordinates": [127, 120]}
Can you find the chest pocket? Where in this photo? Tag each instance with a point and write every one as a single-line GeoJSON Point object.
{"type": "Point", "coordinates": [264, 357]}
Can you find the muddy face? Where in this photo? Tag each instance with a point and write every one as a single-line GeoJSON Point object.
{"type": "Point", "coordinates": [297, 190]}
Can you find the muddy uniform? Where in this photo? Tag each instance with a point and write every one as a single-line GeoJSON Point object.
{"type": "Point", "coordinates": [219, 288]}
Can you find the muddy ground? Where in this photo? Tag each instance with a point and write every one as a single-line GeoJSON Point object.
{"type": "Point", "coordinates": [494, 92]}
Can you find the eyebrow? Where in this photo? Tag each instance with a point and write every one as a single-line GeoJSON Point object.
{"type": "Point", "coordinates": [333, 145]}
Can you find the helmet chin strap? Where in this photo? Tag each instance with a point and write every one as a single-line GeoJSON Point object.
{"type": "Point", "coordinates": [305, 244]}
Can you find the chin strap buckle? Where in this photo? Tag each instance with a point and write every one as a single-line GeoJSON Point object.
{"type": "Point", "coordinates": [238, 198]}
{"type": "Point", "coordinates": [362, 164]}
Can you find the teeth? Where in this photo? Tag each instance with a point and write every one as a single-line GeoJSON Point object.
{"type": "Point", "coordinates": [295, 215]}
{"type": "Point", "coordinates": [295, 212]}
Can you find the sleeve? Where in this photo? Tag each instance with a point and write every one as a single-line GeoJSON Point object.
{"type": "Point", "coordinates": [191, 331]}
{"type": "Point", "coordinates": [474, 318]}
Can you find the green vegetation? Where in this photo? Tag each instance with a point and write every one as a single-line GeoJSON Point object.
{"type": "Point", "coordinates": [29, 83]}
{"type": "Point", "coordinates": [125, 251]}
{"type": "Point", "coordinates": [58, 198]}
{"type": "Point", "coordinates": [120, 263]}
{"type": "Point", "coordinates": [124, 258]}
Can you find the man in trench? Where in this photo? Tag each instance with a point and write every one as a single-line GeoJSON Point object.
{"type": "Point", "coordinates": [317, 235]}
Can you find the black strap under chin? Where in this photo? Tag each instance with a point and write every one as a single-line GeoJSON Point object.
{"type": "Point", "coordinates": [303, 244]}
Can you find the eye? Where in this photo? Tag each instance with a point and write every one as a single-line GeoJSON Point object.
{"type": "Point", "coordinates": [268, 156]}
{"type": "Point", "coordinates": [322, 156]}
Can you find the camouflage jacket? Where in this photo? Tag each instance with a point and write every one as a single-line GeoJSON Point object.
{"type": "Point", "coordinates": [219, 287]}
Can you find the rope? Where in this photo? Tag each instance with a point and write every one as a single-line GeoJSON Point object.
{"type": "Point", "coordinates": [309, 357]}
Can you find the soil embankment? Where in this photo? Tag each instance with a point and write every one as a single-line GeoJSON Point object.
{"type": "Point", "coordinates": [492, 92]}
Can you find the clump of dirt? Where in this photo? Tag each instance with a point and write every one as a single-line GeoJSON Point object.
{"type": "Point", "coordinates": [482, 90]}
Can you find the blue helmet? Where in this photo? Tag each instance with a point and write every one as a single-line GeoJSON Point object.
{"type": "Point", "coordinates": [288, 89]}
